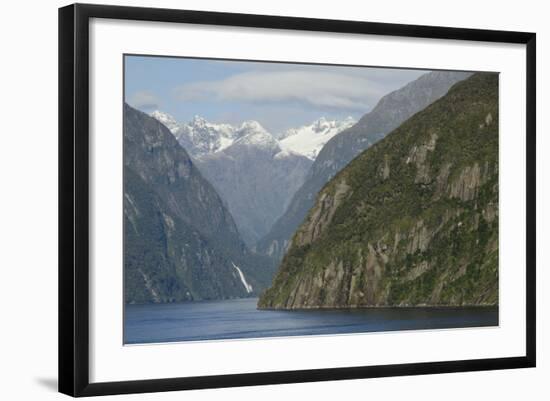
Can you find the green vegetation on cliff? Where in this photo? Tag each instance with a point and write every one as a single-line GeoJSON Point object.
{"type": "Point", "coordinates": [411, 221]}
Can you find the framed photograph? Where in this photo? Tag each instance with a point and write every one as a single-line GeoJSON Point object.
{"type": "Point", "coordinates": [250, 199]}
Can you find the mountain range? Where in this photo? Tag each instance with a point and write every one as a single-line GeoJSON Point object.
{"type": "Point", "coordinates": [210, 209]}
{"type": "Point", "coordinates": [256, 178]}
{"type": "Point", "coordinates": [255, 174]}
{"type": "Point", "coordinates": [201, 137]}
{"type": "Point", "coordinates": [391, 111]}
{"type": "Point", "coordinates": [180, 241]}
{"type": "Point", "coordinates": [412, 221]}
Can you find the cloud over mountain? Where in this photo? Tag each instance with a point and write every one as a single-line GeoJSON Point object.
{"type": "Point", "coordinates": [320, 89]}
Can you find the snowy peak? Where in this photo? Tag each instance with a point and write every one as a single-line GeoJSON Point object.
{"type": "Point", "coordinates": [166, 119]}
{"type": "Point", "coordinates": [198, 121]}
{"type": "Point", "coordinates": [309, 139]}
{"type": "Point", "coordinates": [252, 127]}
{"type": "Point", "coordinates": [198, 137]}
{"type": "Point", "coordinates": [200, 128]}
{"type": "Point", "coordinates": [201, 137]}
{"type": "Point", "coordinates": [251, 133]}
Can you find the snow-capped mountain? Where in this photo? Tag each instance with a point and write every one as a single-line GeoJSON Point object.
{"type": "Point", "coordinates": [309, 139]}
{"type": "Point", "coordinates": [166, 119]}
{"type": "Point", "coordinates": [200, 137]}
{"type": "Point", "coordinates": [181, 242]}
{"type": "Point", "coordinates": [252, 134]}
{"type": "Point", "coordinates": [251, 171]}
{"type": "Point", "coordinates": [256, 178]}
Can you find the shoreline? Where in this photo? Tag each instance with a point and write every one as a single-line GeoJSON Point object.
{"type": "Point", "coordinates": [318, 308]}
{"type": "Point", "coordinates": [365, 307]}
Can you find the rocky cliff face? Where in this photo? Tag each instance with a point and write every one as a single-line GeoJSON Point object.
{"type": "Point", "coordinates": [392, 110]}
{"type": "Point", "coordinates": [412, 221]}
{"type": "Point", "coordinates": [180, 242]}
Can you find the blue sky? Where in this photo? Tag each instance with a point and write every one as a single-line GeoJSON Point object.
{"type": "Point", "coordinates": [277, 95]}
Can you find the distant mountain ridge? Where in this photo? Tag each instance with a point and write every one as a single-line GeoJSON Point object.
{"type": "Point", "coordinates": [255, 174]}
{"type": "Point", "coordinates": [256, 178]}
{"type": "Point", "coordinates": [201, 137]}
{"type": "Point", "coordinates": [392, 110]}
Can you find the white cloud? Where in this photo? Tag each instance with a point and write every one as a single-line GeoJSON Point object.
{"type": "Point", "coordinates": [144, 100]}
{"type": "Point", "coordinates": [320, 89]}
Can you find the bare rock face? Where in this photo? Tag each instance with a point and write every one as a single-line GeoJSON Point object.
{"type": "Point", "coordinates": [322, 216]}
{"type": "Point", "coordinates": [418, 156]}
{"type": "Point", "coordinates": [468, 182]}
{"type": "Point", "coordinates": [412, 221]}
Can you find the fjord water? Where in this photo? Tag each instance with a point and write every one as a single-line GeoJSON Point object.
{"type": "Point", "coordinates": [239, 318]}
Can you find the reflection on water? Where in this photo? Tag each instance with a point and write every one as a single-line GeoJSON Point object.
{"type": "Point", "coordinates": [239, 318]}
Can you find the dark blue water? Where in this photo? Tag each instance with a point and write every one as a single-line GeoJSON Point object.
{"type": "Point", "coordinates": [239, 318]}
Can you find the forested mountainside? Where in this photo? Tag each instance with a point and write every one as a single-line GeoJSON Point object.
{"type": "Point", "coordinates": [412, 221]}
{"type": "Point", "coordinates": [392, 110]}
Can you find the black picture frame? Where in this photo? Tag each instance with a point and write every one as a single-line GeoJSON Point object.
{"type": "Point", "coordinates": [74, 198]}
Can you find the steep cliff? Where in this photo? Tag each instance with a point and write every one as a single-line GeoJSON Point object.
{"type": "Point", "coordinates": [392, 110]}
{"type": "Point", "coordinates": [180, 241]}
{"type": "Point", "coordinates": [411, 221]}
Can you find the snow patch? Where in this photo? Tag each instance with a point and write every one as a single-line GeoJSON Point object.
{"type": "Point", "coordinates": [309, 139]}
{"type": "Point", "coordinates": [286, 153]}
